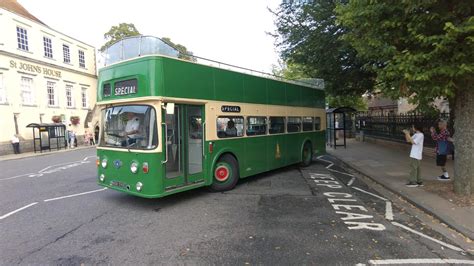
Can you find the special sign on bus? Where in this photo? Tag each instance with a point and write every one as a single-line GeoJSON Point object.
{"type": "Point", "coordinates": [125, 87]}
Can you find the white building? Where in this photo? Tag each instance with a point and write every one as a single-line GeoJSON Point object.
{"type": "Point", "coordinates": [43, 74]}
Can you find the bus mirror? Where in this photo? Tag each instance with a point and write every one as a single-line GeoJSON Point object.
{"type": "Point", "coordinates": [170, 108]}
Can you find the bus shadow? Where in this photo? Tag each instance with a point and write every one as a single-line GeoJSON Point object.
{"type": "Point", "coordinates": [123, 200]}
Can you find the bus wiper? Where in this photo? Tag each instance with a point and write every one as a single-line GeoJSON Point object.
{"type": "Point", "coordinates": [130, 145]}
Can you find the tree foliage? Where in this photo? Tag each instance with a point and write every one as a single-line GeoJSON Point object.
{"type": "Point", "coordinates": [422, 50]}
{"type": "Point", "coordinates": [116, 33]}
{"type": "Point", "coordinates": [184, 53]}
{"type": "Point", "coordinates": [294, 71]}
{"type": "Point", "coordinates": [309, 36]}
{"type": "Point", "coordinates": [419, 49]}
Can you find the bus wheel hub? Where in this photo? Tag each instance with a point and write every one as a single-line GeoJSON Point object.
{"type": "Point", "coordinates": [221, 173]}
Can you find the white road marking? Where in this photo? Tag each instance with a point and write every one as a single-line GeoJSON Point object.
{"type": "Point", "coordinates": [420, 261]}
{"type": "Point", "coordinates": [372, 194]}
{"type": "Point", "coordinates": [351, 181]}
{"type": "Point", "coordinates": [388, 211]}
{"type": "Point", "coordinates": [75, 195]}
{"type": "Point", "coordinates": [388, 204]}
{"type": "Point", "coordinates": [60, 167]}
{"type": "Point", "coordinates": [17, 176]}
{"type": "Point", "coordinates": [428, 237]}
{"type": "Point", "coordinates": [17, 210]}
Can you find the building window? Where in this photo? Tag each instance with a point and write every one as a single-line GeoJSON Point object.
{"type": "Point", "coordinates": [82, 59]}
{"type": "Point", "coordinates": [66, 54]}
{"type": "Point", "coordinates": [256, 125]}
{"type": "Point", "coordinates": [52, 99]}
{"type": "Point", "coordinates": [85, 99]}
{"type": "Point", "coordinates": [3, 93]}
{"type": "Point", "coordinates": [294, 124]}
{"type": "Point", "coordinates": [27, 95]}
{"type": "Point", "coordinates": [307, 123]}
{"type": "Point", "coordinates": [230, 126]}
{"type": "Point", "coordinates": [48, 47]}
{"type": "Point", "coordinates": [22, 37]}
{"type": "Point", "coordinates": [69, 96]}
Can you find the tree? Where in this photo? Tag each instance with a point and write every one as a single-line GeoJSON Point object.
{"type": "Point", "coordinates": [183, 51]}
{"type": "Point", "coordinates": [422, 50]}
{"type": "Point", "coordinates": [309, 36]}
{"type": "Point", "coordinates": [117, 33]}
{"type": "Point", "coordinates": [294, 71]}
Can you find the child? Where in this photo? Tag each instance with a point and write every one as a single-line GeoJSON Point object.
{"type": "Point", "coordinates": [415, 155]}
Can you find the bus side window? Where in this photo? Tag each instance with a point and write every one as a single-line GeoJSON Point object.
{"type": "Point", "coordinates": [256, 125]}
{"type": "Point", "coordinates": [230, 126]}
{"type": "Point", "coordinates": [277, 125]}
{"type": "Point", "coordinates": [307, 123]}
{"type": "Point", "coordinates": [317, 123]}
{"type": "Point", "coordinates": [294, 124]}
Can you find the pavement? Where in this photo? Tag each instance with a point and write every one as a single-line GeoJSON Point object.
{"type": "Point", "coordinates": [44, 153]}
{"type": "Point", "coordinates": [389, 167]}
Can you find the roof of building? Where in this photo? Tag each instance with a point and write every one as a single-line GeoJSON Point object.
{"type": "Point", "coordinates": [15, 7]}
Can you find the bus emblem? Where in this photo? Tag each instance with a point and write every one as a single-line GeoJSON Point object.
{"type": "Point", "coordinates": [117, 164]}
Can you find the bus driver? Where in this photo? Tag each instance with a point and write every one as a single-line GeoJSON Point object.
{"type": "Point", "coordinates": [131, 129]}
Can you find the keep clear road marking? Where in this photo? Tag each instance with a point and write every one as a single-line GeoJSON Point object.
{"type": "Point", "coordinates": [17, 210]}
{"type": "Point", "coordinates": [419, 261]}
{"type": "Point", "coordinates": [389, 216]}
{"type": "Point", "coordinates": [75, 195]}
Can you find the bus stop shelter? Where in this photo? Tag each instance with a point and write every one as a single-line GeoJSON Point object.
{"type": "Point", "coordinates": [337, 125]}
{"type": "Point", "coordinates": [47, 136]}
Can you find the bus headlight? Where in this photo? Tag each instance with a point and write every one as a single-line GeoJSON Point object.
{"type": "Point", "coordinates": [104, 163]}
{"type": "Point", "coordinates": [134, 167]}
{"type": "Point", "coordinates": [139, 186]}
{"type": "Point", "coordinates": [102, 178]}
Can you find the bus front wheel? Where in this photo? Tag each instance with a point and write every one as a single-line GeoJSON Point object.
{"type": "Point", "coordinates": [307, 154]}
{"type": "Point", "coordinates": [226, 173]}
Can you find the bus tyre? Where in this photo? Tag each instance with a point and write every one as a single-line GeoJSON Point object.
{"type": "Point", "coordinates": [226, 173]}
{"type": "Point", "coordinates": [307, 154]}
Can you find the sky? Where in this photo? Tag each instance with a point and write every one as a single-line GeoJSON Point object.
{"type": "Point", "coordinates": [233, 32]}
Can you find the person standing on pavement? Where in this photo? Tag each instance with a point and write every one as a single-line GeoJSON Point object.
{"type": "Point", "coordinates": [16, 144]}
{"type": "Point", "coordinates": [442, 147]}
{"type": "Point", "coordinates": [72, 138]}
{"type": "Point", "coordinates": [416, 152]}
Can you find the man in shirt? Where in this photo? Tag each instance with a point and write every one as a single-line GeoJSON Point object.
{"type": "Point", "coordinates": [231, 131]}
{"type": "Point", "coordinates": [131, 129]}
{"type": "Point", "coordinates": [16, 144]}
{"type": "Point", "coordinates": [415, 155]}
{"type": "Point", "coordinates": [441, 147]}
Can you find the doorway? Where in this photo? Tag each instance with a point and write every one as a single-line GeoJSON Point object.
{"type": "Point", "coordinates": [183, 140]}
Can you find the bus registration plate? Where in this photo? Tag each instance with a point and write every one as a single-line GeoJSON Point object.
{"type": "Point", "coordinates": [119, 184]}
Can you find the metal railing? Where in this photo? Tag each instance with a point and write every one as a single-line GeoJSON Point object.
{"type": "Point", "coordinates": [390, 127]}
{"type": "Point", "coordinates": [136, 46]}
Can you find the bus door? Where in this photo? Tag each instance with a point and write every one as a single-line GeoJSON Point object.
{"type": "Point", "coordinates": [183, 136]}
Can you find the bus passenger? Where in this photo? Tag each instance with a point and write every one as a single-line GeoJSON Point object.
{"type": "Point", "coordinates": [131, 129]}
{"type": "Point", "coordinates": [231, 131]}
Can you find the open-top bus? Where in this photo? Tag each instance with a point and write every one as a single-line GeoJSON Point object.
{"type": "Point", "coordinates": [168, 125]}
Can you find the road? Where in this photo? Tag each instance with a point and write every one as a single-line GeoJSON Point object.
{"type": "Point", "coordinates": [52, 212]}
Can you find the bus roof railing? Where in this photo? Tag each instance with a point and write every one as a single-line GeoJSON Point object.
{"type": "Point", "coordinates": [141, 45]}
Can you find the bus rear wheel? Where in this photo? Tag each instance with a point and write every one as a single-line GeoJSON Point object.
{"type": "Point", "coordinates": [307, 154]}
{"type": "Point", "coordinates": [226, 173]}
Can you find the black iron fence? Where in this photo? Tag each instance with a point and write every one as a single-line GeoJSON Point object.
{"type": "Point", "coordinates": [390, 127]}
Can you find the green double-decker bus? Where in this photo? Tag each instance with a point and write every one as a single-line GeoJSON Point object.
{"type": "Point", "coordinates": [169, 125]}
